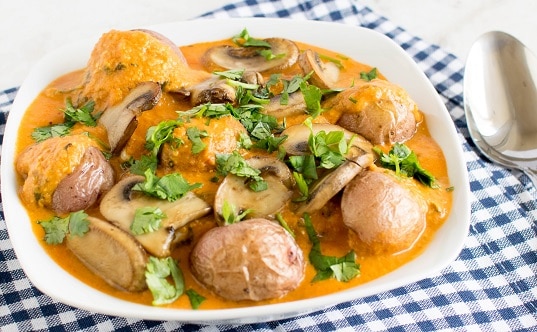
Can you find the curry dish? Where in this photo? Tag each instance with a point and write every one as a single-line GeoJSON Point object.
{"type": "Point", "coordinates": [228, 173]}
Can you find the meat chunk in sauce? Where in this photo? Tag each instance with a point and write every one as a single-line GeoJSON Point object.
{"type": "Point", "coordinates": [219, 135]}
{"type": "Point", "coordinates": [254, 260]}
{"type": "Point", "coordinates": [380, 111]}
{"type": "Point", "coordinates": [123, 59]}
{"type": "Point", "coordinates": [64, 173]}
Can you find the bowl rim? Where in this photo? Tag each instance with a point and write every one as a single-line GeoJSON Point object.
{"type": "Point", "coordinates": [312, 32]}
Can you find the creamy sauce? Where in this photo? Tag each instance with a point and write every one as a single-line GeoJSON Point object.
{"type": "Point", "coordinates": [327, 222]}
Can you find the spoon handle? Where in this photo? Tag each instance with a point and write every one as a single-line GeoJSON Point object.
{"type": "Point", "coordinates": [532, 173]}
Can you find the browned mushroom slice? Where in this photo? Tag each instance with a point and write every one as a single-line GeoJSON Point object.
{"type": "Point", "coordinates": [324, 74]}
{"type": "Point", "coordinates": [263, 204]}
{"type": "Point", "coordinates": [112, 254]}
{"type": "Point", "coordinates": [120, 120]}
{"type": "Point", "coordinates": [119, 207]}
{"type": "Point", "coordinates": [358, 158]}
{"type": "Point", "coordinates": [249, 58]}
{"type": "Point", "coordinates": [81, 189]}
{"type": "Point", "coordinates": [214, 90]}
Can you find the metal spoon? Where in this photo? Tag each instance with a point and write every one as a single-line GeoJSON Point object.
{"type": "Point", "coordinates": [500, 101]}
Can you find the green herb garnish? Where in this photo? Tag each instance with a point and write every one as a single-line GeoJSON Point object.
{"type": "Point", "coordinates": [146, 220]}
{"type": "Point", "coordinates": [404, 162]}
{"type": "Point", "coordinates": [76, 223]}
{"type": "Point", "coordinates": [157, 272]}
{"type": "Point", "coordinates": [342, 268]}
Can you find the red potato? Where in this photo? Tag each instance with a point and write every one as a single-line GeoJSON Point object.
{"type": "Point", "coordinates": [380, 111]}
{"type": "Point", "coordinates": [385, 214]}
{"type": "Point", "coordinates": [253, 260]}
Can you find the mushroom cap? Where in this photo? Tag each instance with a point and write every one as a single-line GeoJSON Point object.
{"type": "Point", "coordinates": [249, 58]}
{"type": "Point", "coordinates": [255, 259]}
{"type": "Point", "coordinates": [264, 204]}
{"type": "Point", "coordinates": [119, 207]}
{"type": "Point", "coordinates": [384, 213]}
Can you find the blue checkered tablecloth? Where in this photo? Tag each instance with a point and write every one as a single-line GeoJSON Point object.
{"type": "Point", "coordinates": [492, 286]}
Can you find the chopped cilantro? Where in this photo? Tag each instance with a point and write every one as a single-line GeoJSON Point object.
{"type": "Point", "coordinates": [342, 268]}
{"type": "Point", "coordinates": [195, 135]}
{"type": "Point", "coordinates": [171, 186]}
{"type": "Point", "coordinates": [404, 161]}
{"type": "Point", "coordinates": [370, 75]}
{"type": "Point", "coordinates": [230, 215]}
{"type": "Point", "coordinates": [234, 163]}
{"type": "Point", "coordinates": [244, 39]}
{"type": "Point", "coordinates": [57, 228]}
{"type": "Point", "coordinates": [195, 298]}
{"type": "Point", "coordinates": [157, 272]}
{"type": "Point", "coordinates": [146, 220]}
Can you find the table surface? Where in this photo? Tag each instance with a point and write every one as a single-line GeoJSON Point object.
{"type": "Point", "coordinates": [491, 286]}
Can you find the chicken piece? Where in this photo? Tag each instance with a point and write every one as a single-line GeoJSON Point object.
{"type": "Point", "coordinates": [65, 173]}
{"type": "Point", "coordinates": [121, 60]}
{"type": "Point", "coordinates": [222, 137]}
{"type": "Point", "coordinates": [380, 111]}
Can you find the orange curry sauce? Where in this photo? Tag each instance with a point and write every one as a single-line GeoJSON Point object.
{"type": "Point", "coordinates": [46, 109]}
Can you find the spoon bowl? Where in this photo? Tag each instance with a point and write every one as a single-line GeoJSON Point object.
{"type": "Point", "coordinates": [500, 101]}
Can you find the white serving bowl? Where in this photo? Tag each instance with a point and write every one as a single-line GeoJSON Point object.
{"type": "Point", "coordinates": [363, 45]}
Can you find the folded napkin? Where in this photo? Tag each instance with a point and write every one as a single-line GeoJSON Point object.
{"type": "Point", "coordinates": [491, 286]}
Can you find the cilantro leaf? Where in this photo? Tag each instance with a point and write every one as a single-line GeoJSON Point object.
{"type": "Point", "coordinates": [342, 268]}
{"type": "Point", "coordinates": [230, 213]}
{"type": "Point", "coordinates": [370, 75]}
{"type": "Point", "coordinates": [171, 186]}
{"type": "Point", "coordinates": [157, 271]}
{"type": "Point", "coordinates": [244, 39]}
{"type": "Point", "coordinates": [78, 223]}
{"type": "Point", "coordinates": [195, 298]}
{"type": "Point", "coordinates": [312, 97]}
{"type": "Point", "coordinates": [82, 114]}
{"type": "Point", "coordinates": [57, 228]}
{"type": "Point", "coordinates": [146, 220]}
{"type": "Point", "coordinates": [404, 162]}
{"type": "Point", "coordinates": [58, 130]}
{"type": "Point", "coordinates": [234, 163]}
{"type": "Point", "coordinates": [195, 135]}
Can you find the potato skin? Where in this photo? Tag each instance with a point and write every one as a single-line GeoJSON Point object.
{"type": "Point", "coordinates": [379, 110]}
{"type": "Point", "coordinates": [386, 215]}
{"type": "Point", "coordinates": [255, 259]}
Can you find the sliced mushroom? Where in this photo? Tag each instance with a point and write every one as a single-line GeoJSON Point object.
{"type": "Point", "coordinates": [234, 190]}
{"type": "Point", "coordinates": [214, 90]}
{"type": "Point", "coordinates": [112, 254]}
{"type": "Point", "coordinates": [250, 59]}
{"type": "Point", "coordinates": [81, 189]}
{"type": "Point", "coordinates": [120, 120]}
{"type": "Point", "coordinates": [119, 206]}
{"type": "Point", "coordinates": [327, 186]}
{"type": "Point", "coordinates": [294, 105]}
{"type": "Point", "coordinates": [324, 74]}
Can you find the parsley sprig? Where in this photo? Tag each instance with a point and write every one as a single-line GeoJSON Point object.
{"type": "Point", "coordinates": [342, 268]}
{"type": "Point", "coordinates": [235, 164]}
{"type": "Point", "coordinates": [157, 272]}
{"type": "Point", "coordinates": [404, 162]}
{"type": "Point", "coordinates": [72, 116]}
{"type": "Point", "coordinates": [170, 187]}
{"type": "Point", "coordinates": [147, 220]}
{"type": "Point", "coordinates": [76, 223]}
